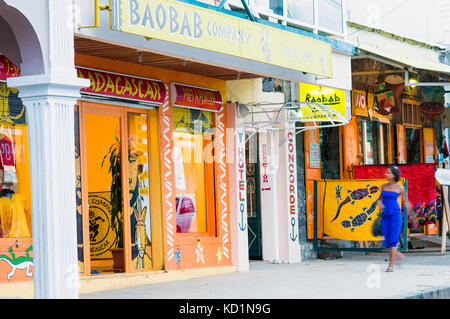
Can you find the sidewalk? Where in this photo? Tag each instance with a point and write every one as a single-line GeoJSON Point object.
{"type": "Point", "coordinates": [422, 275]}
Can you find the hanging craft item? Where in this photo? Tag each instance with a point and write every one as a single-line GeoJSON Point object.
{"type": "Point", "coordinates": [384, 99]}
{"type": "Point", "coordinates": [7, 159]}
{"type": "Point", "coordinates": [396, 83]}
{"type": "Point", "coordinates": [433, 105]}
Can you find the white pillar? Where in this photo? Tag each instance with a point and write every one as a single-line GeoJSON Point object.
{"type": "Point", "coordinates": [50, 104]}
{"type": "Point", "coordinates": [238, 190]}
{"type": "Point", "coordinates": [49, 99]}
{"type": "Point", "coordinates": [269, 199]}
{"type": "Point", "coordinates": [278, 186]}
{"type": "Point", "coordinates": [287, 198]}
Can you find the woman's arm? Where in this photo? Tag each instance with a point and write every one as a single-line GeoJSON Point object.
{"type": "Point", "coordinates": [380, 200]}
{"type": "Point", "coordinates": [405, 201]}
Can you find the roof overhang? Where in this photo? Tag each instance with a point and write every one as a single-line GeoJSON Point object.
{"type": "Point", "coordinates": [403, 61]}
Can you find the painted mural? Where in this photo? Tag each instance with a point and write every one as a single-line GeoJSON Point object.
{"type": "Point", "coordinates": [15, 266]}
{"type": "Point", "coordinates": [138, 169]}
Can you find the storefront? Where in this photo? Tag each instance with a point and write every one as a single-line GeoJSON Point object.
{"type": "Point", "coordinates": [123, 115]}
{"type": "Point", "coordinates": [149, 85]}
{"type": "Point", "coordinates": [16, 245]}
{"type": "Point", "coordinates": [176, 208]}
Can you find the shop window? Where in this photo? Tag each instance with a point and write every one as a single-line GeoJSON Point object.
{"type": "Point", "coordinates": [329, 153]}
{"type": "Point", "coordinates": [374, 142]}
{"type": "Point", "coordinates": [272, 85]}
{"type": "Point", "coordinates": [411, 112]}
{"type": "Point", "coordinates": [194, 170]}
{"type": "Point", "coordinates": [15, 191]}
{"type": "Point", "coordinates": [301, 10]}
{"type": "Point", "coordinates": [330, 15]}
{"type": "Point", "coordinates": [413, 145]}
{"type": "Point", "coordinates": [270, 6]}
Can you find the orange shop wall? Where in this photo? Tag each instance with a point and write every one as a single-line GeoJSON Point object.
{"type": "Point", "coordinates": [194, 250]}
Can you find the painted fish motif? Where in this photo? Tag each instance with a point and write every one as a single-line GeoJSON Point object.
{"type": "Point", "coordinates": [355, 195]}
{"type": "Point", "coordinates": [360, 219]}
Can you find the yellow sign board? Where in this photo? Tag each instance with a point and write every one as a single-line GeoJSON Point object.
{"type": "Point", "coordinates": [203, 28]}
{"type": "Point", "coordinates": [333, 98]}
{"type": "Point", "coordinates": [350, 208]}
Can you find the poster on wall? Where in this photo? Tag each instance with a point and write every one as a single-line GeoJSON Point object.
{"type": "Point", "coordinates": [101, 233]}
{"type": "Point", "coordinates": [180, 181]}
{"type": "Point", "coordinates": [186, 213]}
{"type": "Point", "coordinates": [314, 155]}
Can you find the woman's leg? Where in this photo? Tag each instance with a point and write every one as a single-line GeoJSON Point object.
{"type": "Point", "coordinates": [392, 254]}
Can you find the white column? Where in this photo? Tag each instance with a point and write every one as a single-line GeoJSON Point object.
{"type": "Point", "coordinates": [269, 199]}
{"type": "Point", "coordinates": [50, 104]}
{"type": "Point", "coordinates": [287, 198]}
{"type": "Point", "coordinates": [238, 190]}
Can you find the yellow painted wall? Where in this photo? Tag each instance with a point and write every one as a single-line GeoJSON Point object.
{"type": "Point", "coordinates": [250, 90]}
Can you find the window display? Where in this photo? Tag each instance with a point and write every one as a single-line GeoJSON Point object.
{"type": "Point", "coordinates": [15, 192]}
{"type": "Point", "coordinates": [374, 142]}
{"type": "Point", "coordinates": [194, 169]}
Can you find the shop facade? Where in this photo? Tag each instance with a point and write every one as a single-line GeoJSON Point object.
{"type": "Point", "coordinates": [397, 101]}
{"type": "Point", "coordinates": [142, 123]}
{"type": "Point", "coordinates": [278, 166]}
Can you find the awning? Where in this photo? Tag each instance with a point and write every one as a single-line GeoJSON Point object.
{"type": "Point", "coordinates": [275, 117]}
{"type": "Point", "coordinates": [403, 59]}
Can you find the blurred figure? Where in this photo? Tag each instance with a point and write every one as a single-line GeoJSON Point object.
{"type": "Point", "coordinates": [392, 221]}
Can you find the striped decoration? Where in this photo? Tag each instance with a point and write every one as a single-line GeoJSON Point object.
{"type": "Point", "coordinates": [223, 181]}
{"type": "Point", "coordinates": [167, 177]}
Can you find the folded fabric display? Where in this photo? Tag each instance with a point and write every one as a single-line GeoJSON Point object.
{"type": "Point", "coordinates": [13, 216]}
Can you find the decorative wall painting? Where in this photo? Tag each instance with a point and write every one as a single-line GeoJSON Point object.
{"type": "Point", "coordinates": [350, 208]}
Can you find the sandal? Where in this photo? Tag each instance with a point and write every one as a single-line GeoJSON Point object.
{"type": "Point", "coordinates": [390, 269]}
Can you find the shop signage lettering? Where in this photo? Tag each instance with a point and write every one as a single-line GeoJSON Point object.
{"type": "Point", "coordinates": [242, 187]}
{"type": "Point", "coordinates": [194, 97]}
{"type": "Point", "coordinates": [333, 98]}
{"type": "Point", "coordinates": [292, 176]}
{"type": "Point", "coordinates": [327, 100]}
{"type": "Point", "coordinates": [190, 25]}
{"type": "Point", "coordinates": [359, 102]}
{"type": "Point", "coordinates": [123, 86]}
{"type": "Point", "coordinates": [265, 177]}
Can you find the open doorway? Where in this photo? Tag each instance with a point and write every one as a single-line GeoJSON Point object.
{"type": "Point", "coordinates": [253, 198]}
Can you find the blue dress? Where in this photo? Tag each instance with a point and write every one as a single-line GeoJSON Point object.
{"type": "Point", "coordinates": [391, 221]}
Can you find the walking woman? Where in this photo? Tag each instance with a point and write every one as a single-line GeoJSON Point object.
{"type": "Point", "coordinates": [392, 221]}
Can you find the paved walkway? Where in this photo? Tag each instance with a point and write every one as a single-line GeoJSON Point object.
{"type": "Point", "coordinates": [352, 277]}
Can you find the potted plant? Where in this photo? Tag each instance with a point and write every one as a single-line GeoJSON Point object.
{"type": "Point", "coordinates": [115, 169]}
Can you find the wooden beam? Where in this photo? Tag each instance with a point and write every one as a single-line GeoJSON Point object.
{"type": "Point", "coordinates": [377, 72]}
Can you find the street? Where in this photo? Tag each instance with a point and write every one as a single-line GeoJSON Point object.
{"type": "Point", "coordinates": [353, 277]}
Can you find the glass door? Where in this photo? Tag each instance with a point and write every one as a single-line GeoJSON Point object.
{"type": "Point", "coordinates": [117, 185]}
{"type": "Point", "coordinates": [139, 189]}
{"type": "Point", "coordinates": [105, 194]}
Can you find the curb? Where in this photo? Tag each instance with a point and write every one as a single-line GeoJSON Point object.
{"type": "Point", "coordinates": [443, 293]}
